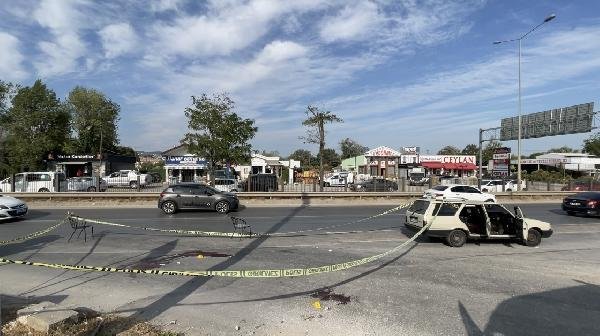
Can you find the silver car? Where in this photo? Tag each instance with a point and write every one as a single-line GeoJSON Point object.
{"type": "Point", "coordinates": [11, 207]}
{"type": "Point", "coordinates": [85, 183]}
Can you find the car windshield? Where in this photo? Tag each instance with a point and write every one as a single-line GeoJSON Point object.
{"type": "Point", "coordinates": [213, 190]}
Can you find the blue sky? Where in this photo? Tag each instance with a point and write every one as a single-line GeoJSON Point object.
{"type": "Point", "coordinates": [400, 73]}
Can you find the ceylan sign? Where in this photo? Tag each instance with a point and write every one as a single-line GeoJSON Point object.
{"type": "Point", "coordinates": [448, 158]}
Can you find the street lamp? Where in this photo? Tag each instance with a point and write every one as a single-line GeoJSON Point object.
{"type": "Point", "coordinates": [547, 19]}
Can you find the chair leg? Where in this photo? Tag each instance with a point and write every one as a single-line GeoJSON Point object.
{"type": "Point", "coordinates": [85, 234]}
{"type": "Point", "coordinates": [71, 236]}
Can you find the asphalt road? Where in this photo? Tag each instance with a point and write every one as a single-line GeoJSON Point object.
{"type": "Point", "coordinates": [427, 289]}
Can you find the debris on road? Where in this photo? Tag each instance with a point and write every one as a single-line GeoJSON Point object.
{"type": "Point", "coordinates": [327, 294]}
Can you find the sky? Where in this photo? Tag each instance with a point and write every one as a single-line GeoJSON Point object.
{"type": "Point", "coordinates": [399, 73]}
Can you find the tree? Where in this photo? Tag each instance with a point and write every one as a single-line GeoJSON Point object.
{"type": "Point", "coordinates": [563, 149]}
{"type": "Point", "coordinates": [470, 149]}
{"type": "Point", "coordinates": [591, 145]}
{"type": "Point", "coordinates": [7, 91]}
{"type": "Point", "coordinates": [216, 132]}
{"type": "Point", "coordinates": [351, 148]}
{"type": "Point", "coordinates": [488, 151]}
{"type": "Point", "coordinates": [331, 159]}
{"type": "Point", "coordinates": [315, 133]}
{"type": "Point", "coordinates": [304, 156]}
{"type": "Point", "coordinates": [95, 120]}
{"type": "Point", "coordinates": [270, 153]}
{"type": "Point", "coordinates": [449, 150]}
{"type": "Point", "coordinates": [36, 124]}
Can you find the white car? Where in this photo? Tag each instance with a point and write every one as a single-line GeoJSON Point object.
{"type": "Point", "coordinates": [11, 207]}
{"type": "Point", "coordinates": [459, 191]}
{"type": "Point", "coordinates": [224, 184]}
{"type": "Point", "coordinates": [85, 183]}
{"type": "Point", "coordinates": [496, 185]}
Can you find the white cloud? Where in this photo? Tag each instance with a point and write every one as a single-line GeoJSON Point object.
{"type": "Point", "coordinates": [62, 54]}
{"type": "Point", "coordinates": [352, 22]}
{"type": "Point", "coordinates": [165, 5]}
{"type": "Point", "coordinates": [227, 27]}
{"type": "Point", "coordinates": [118, 39]}
{"type": "Point", "coordinates": [11, 59]}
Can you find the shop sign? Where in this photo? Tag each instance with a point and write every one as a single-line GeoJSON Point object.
{"type": "Point", "coordinates": [184, 160]}
{"type": "Point", "coordinates": [75, 157]}
{"type": "Point", "coordinates": [448, 158]}
{"type": "Point", "coordinates": [382, 151]}
{"type": "Point", "coordinates": [542, 161]}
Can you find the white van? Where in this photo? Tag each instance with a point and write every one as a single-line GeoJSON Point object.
{"type": "Point", "coordinates": [35, 182]}
{"type": "Point", "coordinates": [229, 185]}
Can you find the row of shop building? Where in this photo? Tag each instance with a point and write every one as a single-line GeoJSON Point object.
{"type": "Point", "coordinates": [387, 162]}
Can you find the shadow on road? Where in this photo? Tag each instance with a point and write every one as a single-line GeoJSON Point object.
{"type": "Point", "coordinates": [565, 311]}
{"type": "Point", "coordinates": [175, 296]}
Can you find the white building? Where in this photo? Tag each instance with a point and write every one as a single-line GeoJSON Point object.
{"type": "Point", "coordinates": [581, 162]}
{"type": "Point", "coordinates": [261, 164]}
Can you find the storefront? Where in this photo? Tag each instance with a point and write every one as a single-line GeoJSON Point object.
{"type": "Point", "coordinates": [89, 165]}
{"type": "Point", "coordinates": [451, 165]}
{"type": "Point", "coordinates": [383, 162]}
{"type": "Point", "coordinates": [181, 166]}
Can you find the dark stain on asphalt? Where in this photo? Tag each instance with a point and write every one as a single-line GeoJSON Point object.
{"type": "Point", "coordinates": [327, 294]}
{"type": "Point", "coordinates": [152, 263]}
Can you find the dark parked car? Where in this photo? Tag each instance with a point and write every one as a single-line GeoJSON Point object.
{"type": "Point", "coordinates": [587, 203]}
{"type": "Point", "coordinates": [196, 196]}
{"type": "Point", "coordinates": [261, 182]}
{"type": "Point", "coordinates": [375, 185]}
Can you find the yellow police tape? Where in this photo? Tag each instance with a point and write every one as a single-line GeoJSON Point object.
{"type": "Point", "coordinates": [32, 235]}
{"type": "Point", "coordinates": [261, 273]}
{"type": "Point", "coordinates": [235, 234]}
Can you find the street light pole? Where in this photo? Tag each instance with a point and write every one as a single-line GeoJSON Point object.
{"type": "Point", "coordinates": [547, 19]}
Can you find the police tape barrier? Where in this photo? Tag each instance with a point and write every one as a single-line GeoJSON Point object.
{"type": "Point", "coordinates": [235, 234]}
{"type": "Point", "coordinates": [32, 235]}
{"type": "Point", "coordinates": [270, 273]}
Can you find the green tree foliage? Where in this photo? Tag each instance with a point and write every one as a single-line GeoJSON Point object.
{"type": "Point", "coordinates": [563, 149]}
{"type": "Point", "coordinates": [315, 133]}
{"type": "Point", "coordinates": [470, 149]}
{"type": "Point", "coordinates": [304, 156]}
{"type": "Point", "coordinates": [488, 150]}
{"type": "Point", "coordinates": [331, 159]}
{"type": "Point", "coordinates": [216, 132]}
{"type": "Point", "coordinates": [36, 124]}
{"type": "Point", "coordinates": [591, 145]}
{"type": "Point", "coordinates": [351, 148]}
{"type": "Point", "coordinates": [449, 150]}
{"type": "Point", "coordinates": [7, 91]}
{"type": "Point", "coordinates": [94, 119]}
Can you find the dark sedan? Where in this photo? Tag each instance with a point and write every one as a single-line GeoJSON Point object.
{"type": "Point", "coordinates": [375, 185]}
{"type": "Point", "coordinates": [196, 196]}
{"type": "Point", "coordinates": [586, 203]}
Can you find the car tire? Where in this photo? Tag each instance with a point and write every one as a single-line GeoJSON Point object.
{"type": "Point", "coordinates": [490, 201]}
{"type": "Point", "coordinates": [508, 189]}
{"type": "Point", "coordinates": [43, 190]}
{"type": "Point", "coordinates": [456, 238]}
{"type": "Point", "coordinates": [233, 190]}
{"type": "Point", "coordinates": [133, 185]}
{"type": "Point", "coordinates": [91, 189]}
{"type": "Point", "coordinates": [534, 238]}
{"type": "Point", "coordinates": [169, 207]}
{"type": "Point", "coordinates": [222, 207]}
{"type": "Point", "coordinates": [484, 190]}
{"type": "Point", "coordinates": [326, 184]}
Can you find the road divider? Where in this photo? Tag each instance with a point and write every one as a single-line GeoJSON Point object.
{"type": "Point", "coordinates": [257, 273]}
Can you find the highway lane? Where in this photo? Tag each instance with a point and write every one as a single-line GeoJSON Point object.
{"type": "Point", "coordinates": [429, 289]}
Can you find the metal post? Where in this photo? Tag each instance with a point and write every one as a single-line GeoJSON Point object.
{"type": "Point", "coordinates": [480, 158]}
{"type": "Point", "coordinates": [138, 182]}
{"type": "Point", "coordinates": [519, 131]}
{"type": "Point", "coordinates": [12, 183]}
{"type": "Point", "coordinates": [403, 179]}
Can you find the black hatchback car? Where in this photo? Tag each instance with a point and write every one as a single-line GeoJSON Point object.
{"type": "Point", "coordinates": [586, 203]}
{"type": "Point", "coordinates": [196, 196]}
{"type": "Point", "coordinates": [377, 184]}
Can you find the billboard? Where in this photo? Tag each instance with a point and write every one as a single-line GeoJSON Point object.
{"type": "Point", "coordinates": [565, 120]}
{"type": "Point", "coordinates": [501, 161]}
